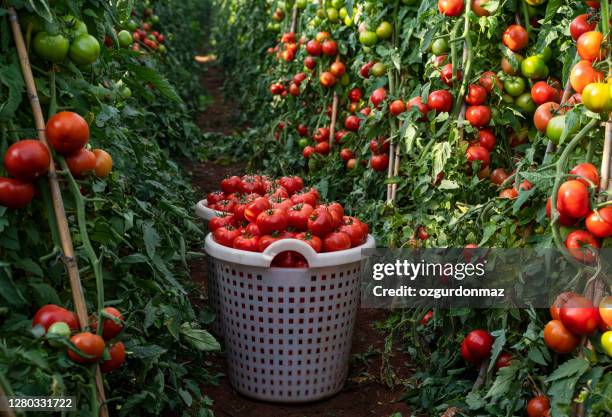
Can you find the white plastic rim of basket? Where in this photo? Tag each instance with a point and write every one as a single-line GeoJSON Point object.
{"type": "Point", "coordinates": [265, 258]}
{"type": "Point", "coordinates": [204, 212]}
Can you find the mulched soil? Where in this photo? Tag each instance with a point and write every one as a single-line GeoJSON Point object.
{"type": "Point", "coordinates": [364, 395]}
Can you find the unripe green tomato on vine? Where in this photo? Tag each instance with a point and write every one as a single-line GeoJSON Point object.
{"type": "Point", "coordinates": [337, 3]}
{"type": "Point", "coordinates": [125, 38]}
{"type": "Point", "coordinates": [525, 103]}
{"type": "Point", "coordinates": [85, 50]}
{"type": "Point", "coordinates": [384, 30]}
{"type": "Point", "coordinates": [303, 143]}
{"type": "Point", "coordinates": [596, 97]}
{"type": "Point", "coordinates": [545, 54]}
{"type": "Point", "coordinates": [343, 13]}
{"type": "Point", "coordinates": [534, 67]}
{"type": "Point", "coordinates": [606, 342]}
{"type": "Point", "coordinates": [535, 2]}
{"type": "Point", "coordinates": [514, 86]}
{"type": "Point", "coordinates": [368, 38]}
{"type": "Point", "coordinates": [75, 26]}
{"type": "Point", "coordinates": [439, 47]}
{"type": "Point", "coordinates": [345, 79]}
{"type": "Point", "coordinates": [53, 48]}
{"type": "Point", "coordinates": [301, 4]}
{"type": "Point", "coordinates": [378, 70]}
{"type": "Point", "coordinates": [332, 14]}
{"type": "Point", "coordinates": [321, 14]}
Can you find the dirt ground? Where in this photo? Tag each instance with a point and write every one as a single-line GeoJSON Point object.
{"type": "Point", "coordinates": [364, 394]}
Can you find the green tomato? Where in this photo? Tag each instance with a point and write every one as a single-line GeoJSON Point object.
{"type": "Point", "coordinates": [384, 30]}
{"type": "Point", "coordinates": [75, 26]}
{"type": "Point", "coordinates": [53, 48]}
{"type": "Point", "coordinates": [303, 143]}
{"type": "Point", "coordinates": [439, 47]}
{"type": "Point", "coordinates": [321, 14]}
{"type": "Point", "coordinates": [125, 92]}
{"type": "Point", "coordinates": [546, 54]}
{"type": "Point", "coordinates": [125, 38]}
{"type": "Point", "coordinates": [84, 50]}
{"type": "Point", "coordinates": [535, 2]}
{"type": "Point", "coordinates": [301, 4]}
{"type": "Point", "coordinates": [534, 67]}
{"type": "Point", "coordinates": [58, 330]}
{"type": "Point", "coordinates": [378, 70]}
{"type": "Point", "coordinates": [514, 86]}
{"type": "Point", "coordinates": [508, 99]}
{"type": "Point", "coordinates": [132, 25]}
{"type": "Point", "coordinates": [368, 38]}
{"type": "Point", "coordinates": [161, 49]}
{"type": "Point", "coordinates": [348, 21]}
{"type": "Point", "coordinates": [369, 6]}
{"type": "Point", "coordinates": [337, 3]}
{"type": "Point", "coordinates": [343, 13]}
{"type": "Point", "coordinates": [525, 103]}
{"type": "Point", "coordinates": [556, 128]}
{"type": "Point", "coordinates": [345, 79]}
{"type": "Point", "coordinates": [155, 19]}
{"type": "Point", "coordinates": [606, 342]}
{"type": "Point", "coordinates": [332, 14]}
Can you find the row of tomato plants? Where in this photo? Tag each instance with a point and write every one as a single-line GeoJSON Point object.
{"type": "Point", "coordinates": [116, 82]}
{"type": "Point", "coordinates": [457, 122]}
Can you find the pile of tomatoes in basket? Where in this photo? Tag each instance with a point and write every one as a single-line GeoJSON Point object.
{"type": "Point", "coordinates": [254, 211]}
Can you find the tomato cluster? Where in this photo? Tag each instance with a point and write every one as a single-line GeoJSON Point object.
{"type": "Point", "coordinates": [83, 347]}
{"type": "Point", "coordinates": [72, 40]}
{"type": "Point", "coordinates": [574, 316]}
{"type": "Point", "coordinates": [142, 35]}
{"type": "Point", "coordinates": [256, 211]}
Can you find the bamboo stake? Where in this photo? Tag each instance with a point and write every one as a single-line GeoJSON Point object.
{"type": "Point", "coordinates": [5, 411]}
{"type": "Point", "coordinates": [332, 126]}
{"type": "Point", "coordinates": [294, 18]}
{"type": "Point", "coordinates": [58, 203]}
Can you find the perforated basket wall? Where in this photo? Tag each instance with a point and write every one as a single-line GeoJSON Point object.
{"type": "Point", "coordinates": [287, 331]}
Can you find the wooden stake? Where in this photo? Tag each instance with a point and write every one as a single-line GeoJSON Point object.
{"type": "Point", "coordinates": [56, 196]}
{"type": "Point", "coordinates": [294, 18]}
{"type": "Point", "coordinates": [332, 126]}
{"type": "Point", "coordinates": [8, 412]}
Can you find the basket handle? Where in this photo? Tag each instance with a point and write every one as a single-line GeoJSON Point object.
{"type": "Point", "coordinates": [294, 245]}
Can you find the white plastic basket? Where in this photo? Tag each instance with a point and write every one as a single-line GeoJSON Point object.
{"type": "Point", "coordinates": [287, 331]}
{"type": "Point", "coordinates": [203, 212]}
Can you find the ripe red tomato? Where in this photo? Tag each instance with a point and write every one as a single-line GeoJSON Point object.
{"type": "Point", "coordinates": [265, 241]}
{"type": "Point", "coordinates": [542, 92]}
{"type": "Point", "coordinates": [294, 89]}
{"type": "Point", "coordinates": [590, 46]}
{"type": "Point", "coordinates": [380, 145]}
{"type": "Point", "coordinates": [272, 220]}
{"type": "Point", "coordinates": [302, 130]}
{"type": "Point", "coordinates": [299, 78]}
{"type": "Point", "coordinates": [573, 199]}
{"type": "Point", "coordinates": [313, 48]}
{"type": "Point", "coordinates": [503, 360]}
{"type": "Point", "coordinates": [426, 318]}
{"type": "Point", "coordinates": [336, 241]}
{"type": "Point", "coordinates": [346, 154]}
{"type": "Point", "coordinates": [478, 153]}
{"type": "Point", "coordinates": [498, 176]}
{"type": "Point", "coordinates": [560, 300]}
{"type": "Point", "coordinates": [330, 48]}
{"type": "Point", "coordinates": [327, 79]}
{"type": "Point", "coordinates": [579, 315]}
{"type": "Point", "coordinates": [226, 235]}
{"type": "Point", "coordinates": [418, 103]}
{"type": "Point", "coordinates": [586, 173]}
{"type": "Point", "coordinates": [352, 123]}
{"type": "Point", "coordinates": [255, 207]}
{"type": "Point", "coordinates": [245, 241]}
{"type": "Point", "coordinates": [298, 214]}
{"type": "Point", "coordinates": [310, 62]}
{"type": "Point", "coordinates": [478, 116]}
{"type": "Point", "coordinates": [378, 96]}
{"type": "Point", "coordinates": [14, 193]}
{"type": "Point", "coordinates": [354, 95]}
{"type": "Point", "coordinates": [320, 222]}
{"type": "Point", "coordinates": [110, 329]}
{"type": "Point", "coordinates": [583, 74]}
{"type": "Point", "coordinates": [104, 163]}
{"type": "Point", "coordinates": [88, 343]}
{"type": "Point", "coordinates": [322, 134]}
{"type": "Point", "coordinates": [379, 162]}
{"type": "Point", "coordinates": [476, 346]}
{"type": "Point", "coordinates": [538, 406]}
{"type": "Point", "coordinates": [486, 139]}
{"type": "Point", "coordinates": [543, 114]}
{"type": "Point", "coordinates": [313, 241]}
{"type": "Point", "coordinates": [451, 8]}
{"type": "Point", "coordinates": [397, 107]}
{"type": "Point", "coordinates": [488, 79]}
{"type": "Point", "coordinates": [364, 71]}
{"type": "Point", "coordinates": [599, 222]}
{"type": "Point", "coordinates": [67, 132]}
{"type": "Point", "coordinates": [515, 37]}
{"type": "Point", "coordinates": [81, 162]}
{"type": "Point", "coordinates": [338, 69]}
{"type": "Point", "coordinates": [117, 358]}
{"type": "Point", "coordinates": [307, 151]}
{"type": "Point", "coordinates": [27, 160]}
{"type": "Point", "coordinates": [354, 230]}
{"type": "Point", "coordinates": [581, 24]}
{"type": "Point", "coordinates": [582, 245]}
{"type": "Point", "coordinates": [476, 95]}
{"type": "Point", "coordinates": [446, 75]}
{"type": "Point", "coordinates": [292, 184]}
{"type": "Point", "coordinates": [221, 220]}
{"type": "Point", "coordinates": [558, 338]}
{"type": "Point", "coordinates": [214, 197]}
{"type": "Point", "coordinates": [277, 89]}
{"type": "Point", "coordinates": [231, 184]}
{"type": "Point", "coordinates": [322, 148]}
{"type": "Point", "coordinates": [51, 313]}
{"type": "Point", "coordinates": [440, 101]}
{"type": "Point", "coordinates": [564, 219]}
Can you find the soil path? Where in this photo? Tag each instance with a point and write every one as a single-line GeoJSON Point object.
{"type": "Point", "coordinates": [364, 395]}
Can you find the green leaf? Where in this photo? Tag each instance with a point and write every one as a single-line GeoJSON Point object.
{"type": "Point", "coordinates": [441, 152]}
{"type": "Point", "coordinates": [46, 293]}
{"type": "Point", "coordinates": [572, 367]}
{"type": "Point", "coordinates": [199, 338]}
{"type": "Point", "coordinates": [149, 75]}
{"type": "Point", "coordinates": [151, 238]}
{"type": "Point", "coordinates": [146, 352]}
{"type": "Point", "coordinates": [535, 354]}
{"type": "Point", "coordinates": [503, 381]}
